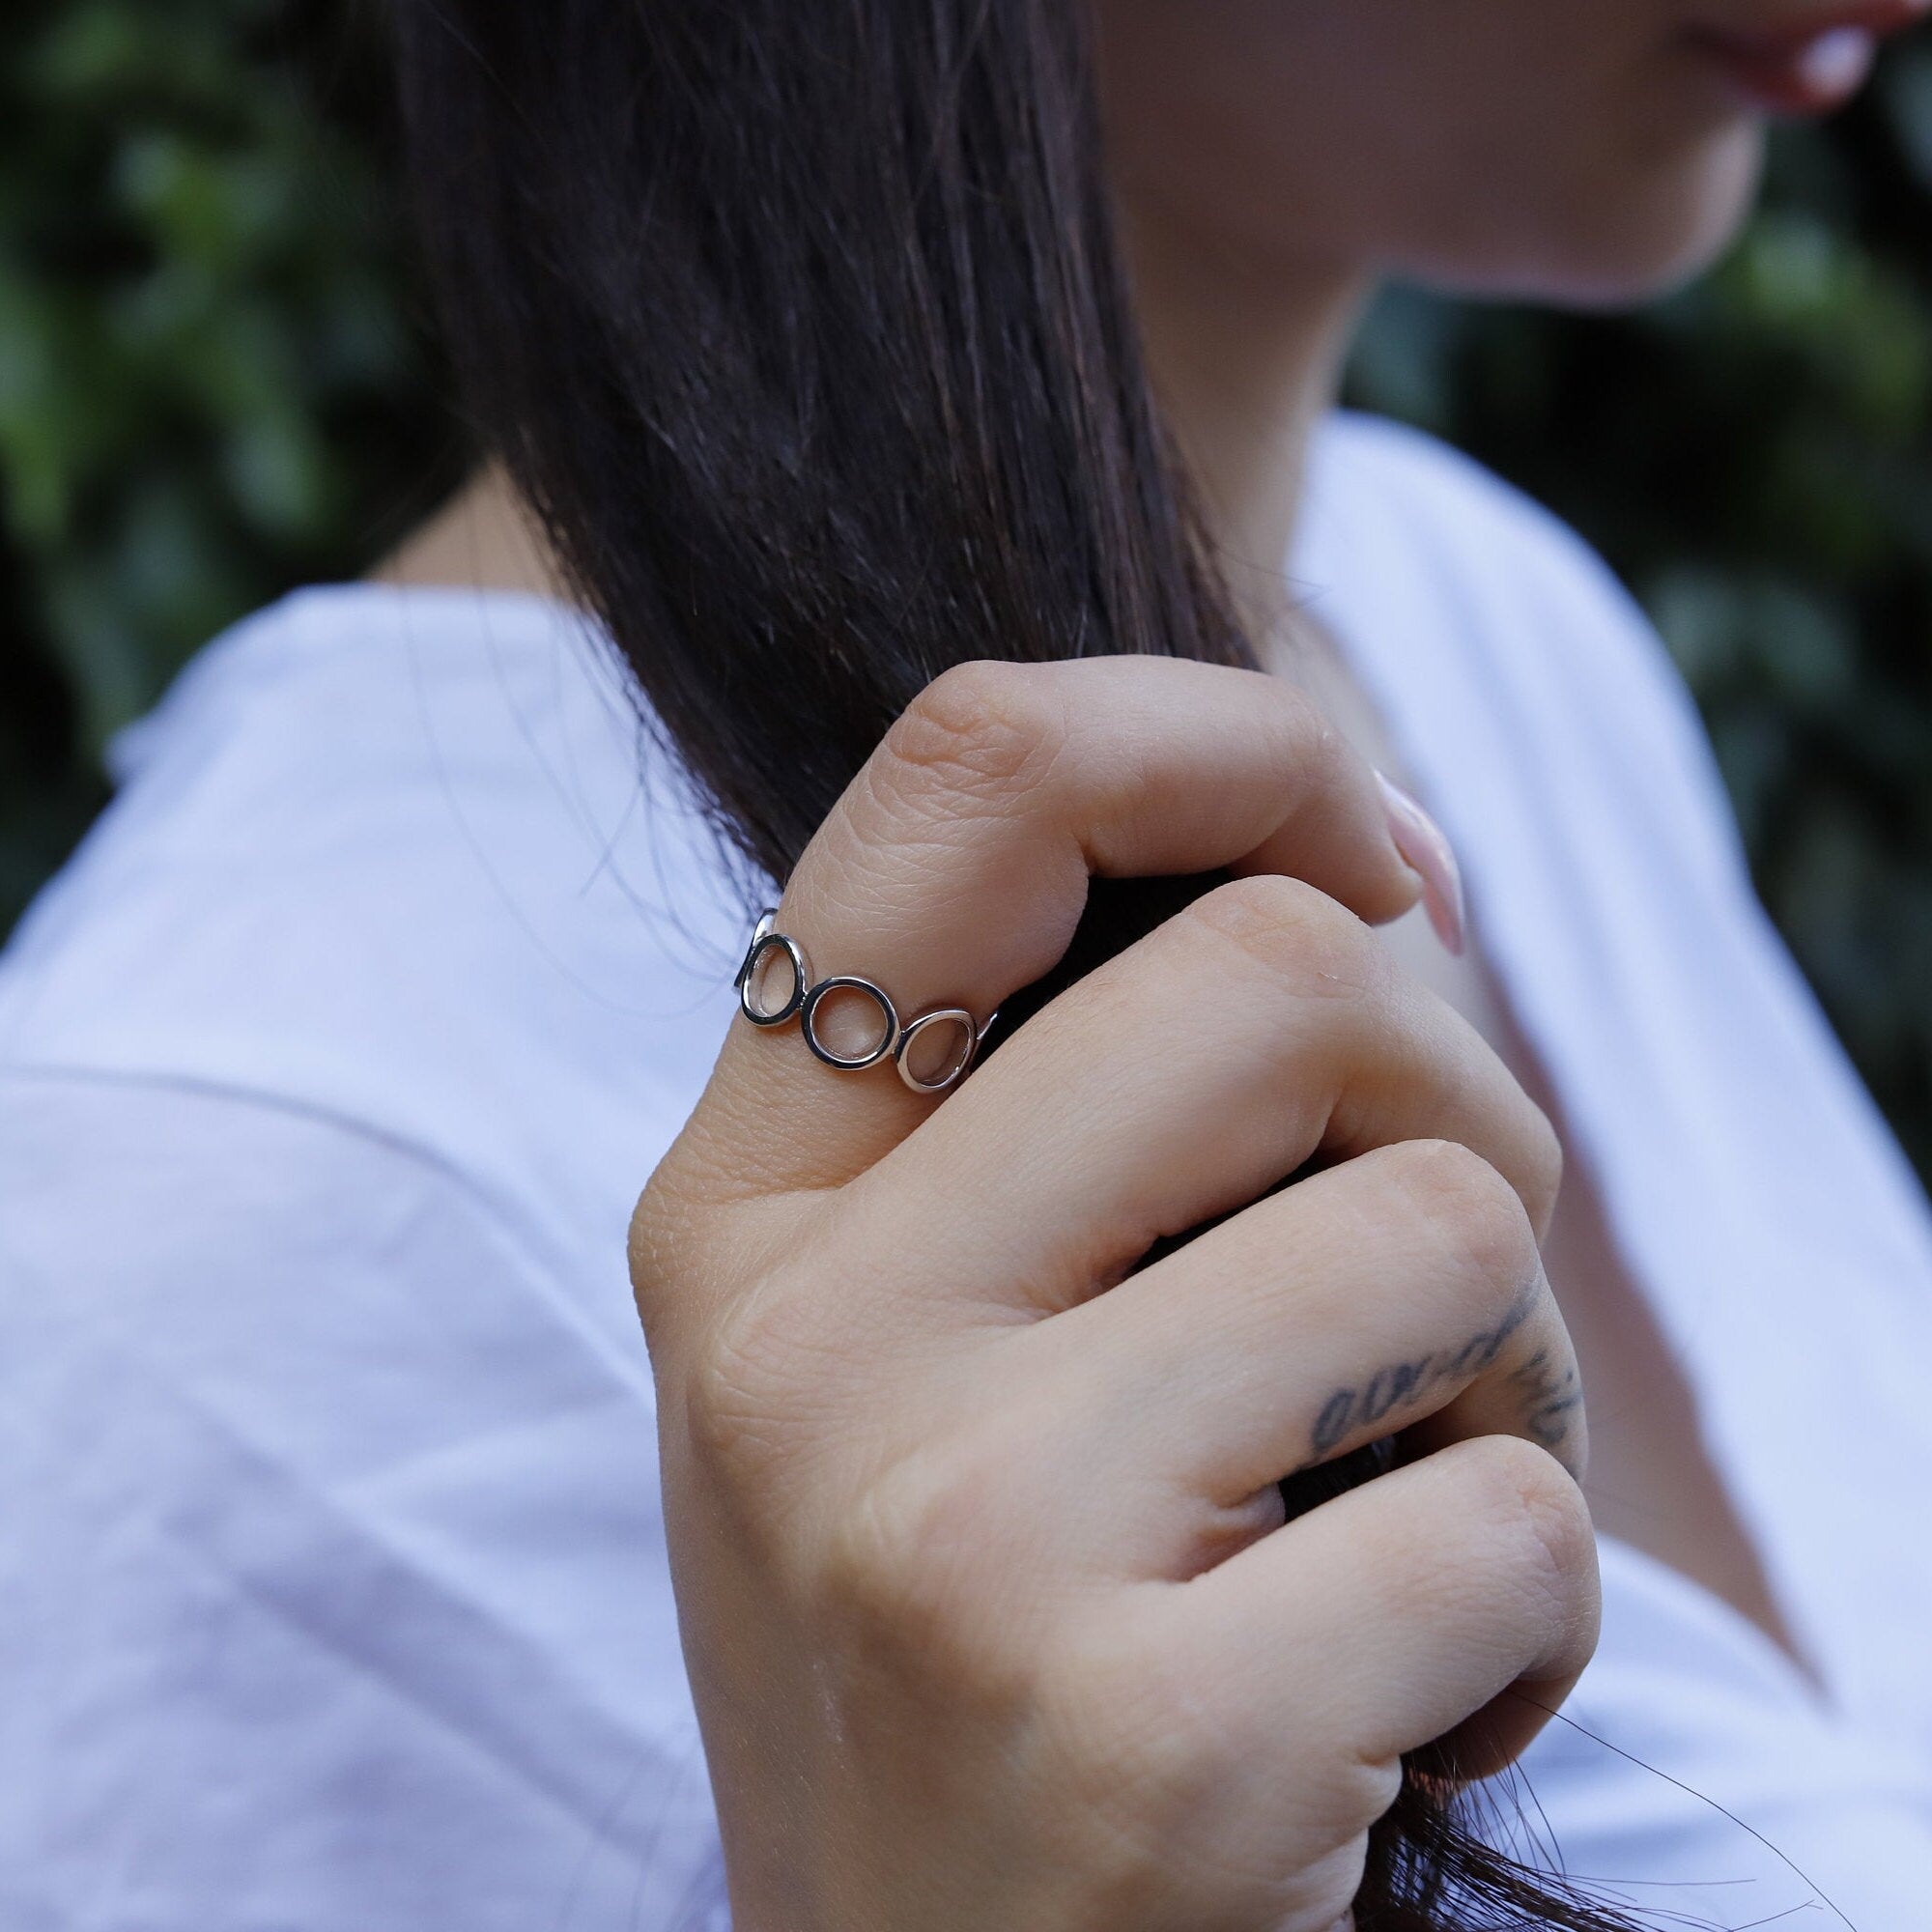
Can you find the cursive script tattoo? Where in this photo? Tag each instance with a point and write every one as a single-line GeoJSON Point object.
{"type": "Point", "coordinates": [1549, 1397]}
{"type": "Point", "coordinates": [1401, 1386]}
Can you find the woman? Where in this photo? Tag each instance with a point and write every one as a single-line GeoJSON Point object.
{"type": "Point", "coordinates": [334, 1061]}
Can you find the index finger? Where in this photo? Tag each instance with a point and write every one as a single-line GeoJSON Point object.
{"type": "Point", "coordinates": [953, 870]}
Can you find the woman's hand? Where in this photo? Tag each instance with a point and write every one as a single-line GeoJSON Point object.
{"type": "Point", "coordinates": [990, 1613]}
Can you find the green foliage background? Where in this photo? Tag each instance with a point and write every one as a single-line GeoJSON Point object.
{"type": "Point", "coordinates": [216, 383]}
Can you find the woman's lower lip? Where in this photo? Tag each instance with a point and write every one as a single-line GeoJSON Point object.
{"type": "Point", "coordinates": [1794, 77]}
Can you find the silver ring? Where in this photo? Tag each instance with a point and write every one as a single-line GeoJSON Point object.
{"type": "Point", "coordinates": [896, 1039]}
{"type": "Point", "coordinates": [764, 939]}
{"type": "Point", "coordinates": [855, 1062]}
{"type": "Point", "coordinates": [954, 1069]}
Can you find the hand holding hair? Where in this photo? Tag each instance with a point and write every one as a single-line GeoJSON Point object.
{"type": "Point", "coordinates": [993, 1612]}
{"type": "Point", "coordinates": [831, 383]}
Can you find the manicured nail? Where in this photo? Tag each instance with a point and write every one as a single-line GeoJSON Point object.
{"type": "Point", "coordinates": [1428, 855]}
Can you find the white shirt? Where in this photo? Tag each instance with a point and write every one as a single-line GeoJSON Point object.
{"type": "Point", "coordinates": [332, 1583]}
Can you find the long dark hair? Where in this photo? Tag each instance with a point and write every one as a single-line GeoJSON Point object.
{"type": "Point", "coordinates": [802, 326]}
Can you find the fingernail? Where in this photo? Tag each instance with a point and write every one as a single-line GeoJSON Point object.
{"type": "Point", "coordinates": [1430, 856]}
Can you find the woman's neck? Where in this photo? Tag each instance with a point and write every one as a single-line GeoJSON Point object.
{"type": "Point", "coordinates": [1244, 365]}
{"type": "Point", "coordinates": [481, 539]}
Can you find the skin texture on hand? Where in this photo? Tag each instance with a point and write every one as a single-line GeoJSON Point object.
{"type": "Point", "coordinates": [990, 1609]}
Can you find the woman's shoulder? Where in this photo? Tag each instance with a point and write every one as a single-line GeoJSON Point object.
{"type": "Point", "coordinates": [406, 859]}
{"type": "Point", "coordinates": [1421, 510]}
{"type": "Point", "coordinates": [1478, 614]}
{"type": "Point", "coordinates": [1422, 479]}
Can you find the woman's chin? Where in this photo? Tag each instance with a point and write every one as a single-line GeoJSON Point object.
{"type": "Point", "coordinates": [1638, 238]}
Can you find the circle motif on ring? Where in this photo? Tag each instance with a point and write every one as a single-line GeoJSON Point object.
{"type": "Point", "coordinates": [764, 942]}
{"type": "Point", "coordinates": [954, 1068]}
{"type": "Point", "coordinates": [846, 1062]}
{"type": "Point", "coordinates": [767, 919]}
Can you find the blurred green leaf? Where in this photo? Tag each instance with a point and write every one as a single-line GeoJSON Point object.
{"type": "Point", "coordinates": [211, 385]}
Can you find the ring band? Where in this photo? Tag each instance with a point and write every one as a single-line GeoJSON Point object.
{"type": "Point", "coordinates": [802, 1001]}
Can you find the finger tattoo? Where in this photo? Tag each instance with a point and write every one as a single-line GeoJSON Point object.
{"type": "Point", "coordinates": [1400, 1385]}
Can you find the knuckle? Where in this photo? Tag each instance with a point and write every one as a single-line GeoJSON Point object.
{"type": "Point", "coordinates": [918, 1566]}
{"type": "Point", "coordinates": [1326, 776]}
{"type": "Point", "coordinates": [1356, 1793]}
{"type": "Point", "coordinates": [751, 1386]}
{"type": "Point", "coordinates": [652, 1242]}
{"type": "Point", "coordinates": [665, 1247]}
{"type": "Point", "coordinates": [1532, 1514]}
{"type": "Point", "coordinates": [1476, 1212]}
{"type": "Point", "coordinates": [979, 731]}
{"type": "Point", "coordinates": [1306, 734]}
{"type": "Point", "coordinates": [1321, 751]}
{"type": "Point", "coordinates": [1323, 1892]}
{"type": "Point", "coordinates": [1297, 934]}
{"type": "Point", "coordinates": [1543, 1164]}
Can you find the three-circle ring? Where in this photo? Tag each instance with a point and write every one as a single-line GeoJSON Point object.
{"type": "Point", "coordinates": [899, 1041]}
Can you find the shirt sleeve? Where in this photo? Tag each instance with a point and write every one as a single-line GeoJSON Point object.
{"type": "Point", "coordinates": [332, 1591]}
